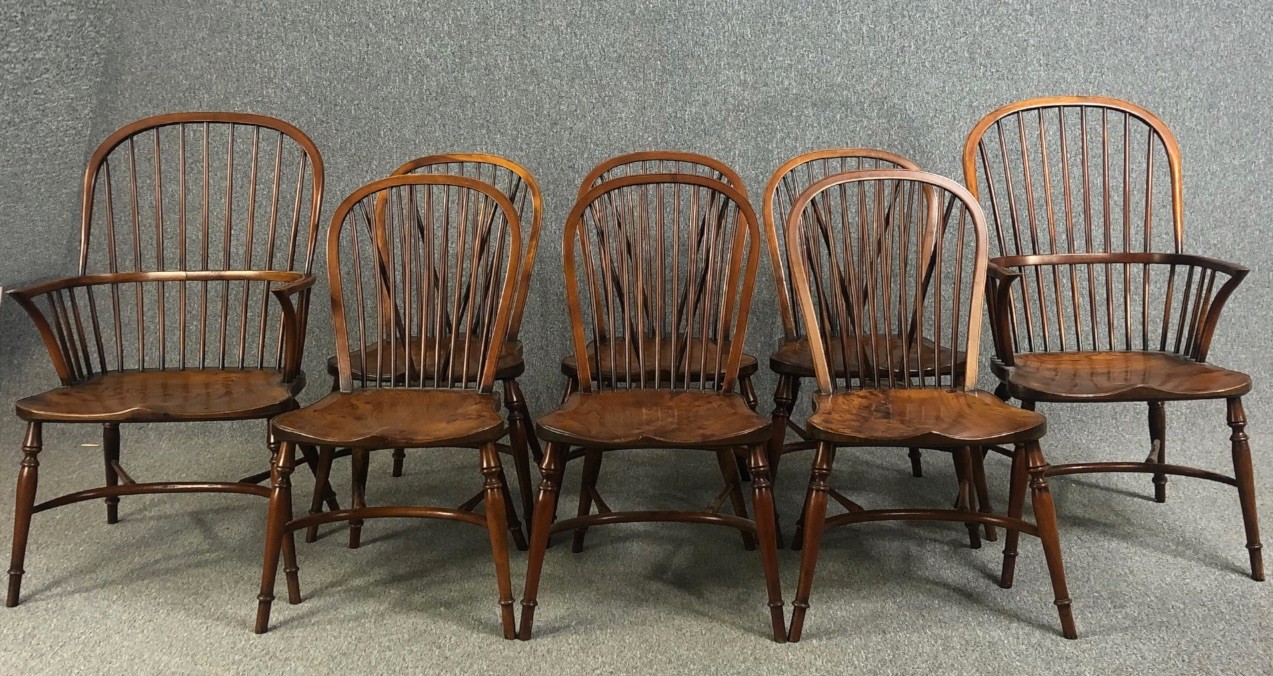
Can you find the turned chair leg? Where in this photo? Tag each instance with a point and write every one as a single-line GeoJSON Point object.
{"type": "Point", "coordinates": [322, 478]}
{"type": "Point", "coordinates": [399, 457]}
{"type": "Point", "coordinates": [276, 536]}
{"type": "Point", "coordinates": [1158, 446]}
{"type": "Point", "coordinates": [1245, 475]}
{"type": "Point", "coordinates": [496, 492]}
{"type": "Point", "coordinates": [963, 472]}
{"type": "Point", "coordinates": [510, 513]}
{"type": "Point", "coordinates": [1016, 504]}
{"type": "Point", "coordinates": [815, 511]}
{"type": "Point", "coordinates": [28, 476]}
{"type": "Point", "coordinates": [1045, 519]}
{"type": "Point", "coordinates": [519, 434]}
{"type": "Point", "coordinates": [983, 489]}
{"type": "Point", "coordinates": [110, 456]}
{"type": "Point", "coordinates": [728, 462]}
{"type": "Point", "coordinates": [361, 460]}
{"type": "Point", "coordinates": [917, 463]}
{"type": "Point", "coordinates": [587, 484]}
{"type": "Point", "coordinates": [762, 497]}
{"type": "Point", "coordinates": [549, 491]}
{"type": "Point", "coordinates": [290, 569]}
{"type": "Point", "coordinates": [785, 396]}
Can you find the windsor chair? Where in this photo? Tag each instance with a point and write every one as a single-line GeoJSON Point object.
{"type": "Point", "coordinates": [435, 257]}
{"type": "Point", "coordinates": [634, 164]}
{"type": "Point", "coordinates": [792, 361]}
{"type": "Point", "coordinates": [893, 252]}
{"type": "Point", "coordinates": [190, 222]}
{"type": "Point", "coordinates": [1085, 197]}
{"type": "Point", "coordinates": [666, 265]}
{"type": "Point", "coordinates": [521, 189]}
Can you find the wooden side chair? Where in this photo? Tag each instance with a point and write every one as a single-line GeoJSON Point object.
{"type": "Point", "coordinates": [519, 186]}
{"type": "Point", "coordinates": [1085, 197]}
{"type": "Point", "coordinates": [792, 361]}
{"type": "Point", "coordinates": [190, 222]}
{"type": "Point", "coordinates": [440, 254]}
{"type": "Point", "coordinates": [659, 271]}
{"type": "Point", "coordinates": [635, 164]}
{"type": "Point", "coordinates": [891, 252]}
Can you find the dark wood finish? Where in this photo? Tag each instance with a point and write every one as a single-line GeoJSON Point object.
{"type": "Point", "coordinates": [894, 252]}
{"type": "Point", "coordinates": [432, 256]}
{"type": "Point", "coordinates": [1085, 194]}
{"type": "Point", "coordinates": [655, 260]}
{"type": "Point", "coordinates": [190, 301]}
{"type": "Point", "coordinates": [636, 164]}
{"type": "Point", "coordinates": [792, 361]}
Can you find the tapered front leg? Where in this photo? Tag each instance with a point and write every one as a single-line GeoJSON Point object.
{"type": "Point", "coordinates": [815, 514]}
{"type": "Point", "coordinates": [983, 490]}
{"type": "Point", "coordinates": [549, 490]}
{"type": "Point", "coordinates": [1045, 519]}
{"type": "Point", "coordinates": [497, 528]}
{"type": "Point", "coordinates": [110, 457]}
{"type": "Point", "coordinates": [592, 458]}
{"type": "Point", "coordinates": [322, 483]}
{"type": "Point", "coordinates": [519, 434]}
{"type": "Point", "coordinates": [963, 470]}
{"type": "Point", "coordinates": [28, 475]}
{"type": "Point", "coordinates": [1016, 504]}
{"type": "Point", "coordinates": [275, 525]}
{"type": "Point", "coordinates": [762, 496]}
{"type": "Point", "coordinates": [1245, 475]}
{"type": "Point", "coordinates": [361, 461]}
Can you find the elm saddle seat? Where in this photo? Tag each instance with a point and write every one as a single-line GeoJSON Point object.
{"type": "Point", "coordinates": [747, 366]}
{"type": "Point", "coordinates": [396, 417]}
{"type": "Point", "coordinates": [1117, 376]}
{"type": "Point", "coordinates": [646, 418]}
{"type": "Point", "coordinates": [794, 359]}
{"type": "Point", "coordinates": [165, 396]}
{"type": "Point", "coordinates": [393, 362]}
{"type": "Point", "coordinates": [921, 417]}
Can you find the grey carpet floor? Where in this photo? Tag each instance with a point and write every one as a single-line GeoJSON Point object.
{"type": "Point", "coordinates": [1156, 588]}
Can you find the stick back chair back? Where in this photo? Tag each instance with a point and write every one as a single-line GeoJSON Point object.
{"type": "Point", "coordinates": [439, 254]}
{"type": "Point", "coordinates": [661, 162]}
{"type": "Point", "coordinates": [889, 252]}
{"type": "Point", "coordinates": [786, 184]}
{"type": "Point", "coordinates": [1084, 194]}
{"type": "Point", "coordinates": [170, 203]}
{"type": "Point", "coordinates": [664, 266]}
{"type": "Point", "coordinates": [522, 191]}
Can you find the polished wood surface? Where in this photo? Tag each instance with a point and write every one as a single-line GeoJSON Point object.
{"type": "Point", "coordinates": [659, 271]}
{"type": "Point", "coordinates": [433, 256]}
{"type": "Point", "coordinates": [1117, 376]}
{"type": "Point", "coordinates": [895, 252]}
{"type": "Point", "coordinates": [191, 298]}
{"type": "Point", "coordinates": [653, 419]}
{"type": "Point", "coordinates": [921, 417]}
{"type": "Point", "coordinates": [661, 162]}
{"type": "Point", "coordinates": [165, 396]}
{"type": "Point", "coordinates": [794, 358]}
{"type": "Point", "coordinates": [1092, 297]}
{"type": "Point", "coordinates": [408, 418]}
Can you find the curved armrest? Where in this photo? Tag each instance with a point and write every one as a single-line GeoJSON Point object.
{"type": "Point", "coordinates": [1203, 297]}
{"type": "Point", "coordinates": [999, 303]}
{"type": "Point", "coordinates": [295, 318]}
{"type": "Point", "coordinates": [70, 328]}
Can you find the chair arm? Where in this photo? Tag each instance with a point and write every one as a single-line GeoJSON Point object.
{"type": "Point", "coordinates": [999, 303]}
{"type": "Point", "coordinates": [295, 319]}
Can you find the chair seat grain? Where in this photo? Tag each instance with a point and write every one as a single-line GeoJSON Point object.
{"type": "Point", "coordinates": [653, 419]}
{"type": "Point", "coordinates": [1117, 376]}
{"type": "Point", "coordinates": [921, 417]}
{"type": "Point", "coordinates": [165, 396]}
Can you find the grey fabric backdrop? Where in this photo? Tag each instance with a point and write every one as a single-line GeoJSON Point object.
{"type": "Point", "coordinates": [559, 86]}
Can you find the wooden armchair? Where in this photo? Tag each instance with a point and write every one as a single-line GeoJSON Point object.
{"type": "Point", "coordinates": [1085, 197]}
{"type": "Point", "coordinates": [197, 238]}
